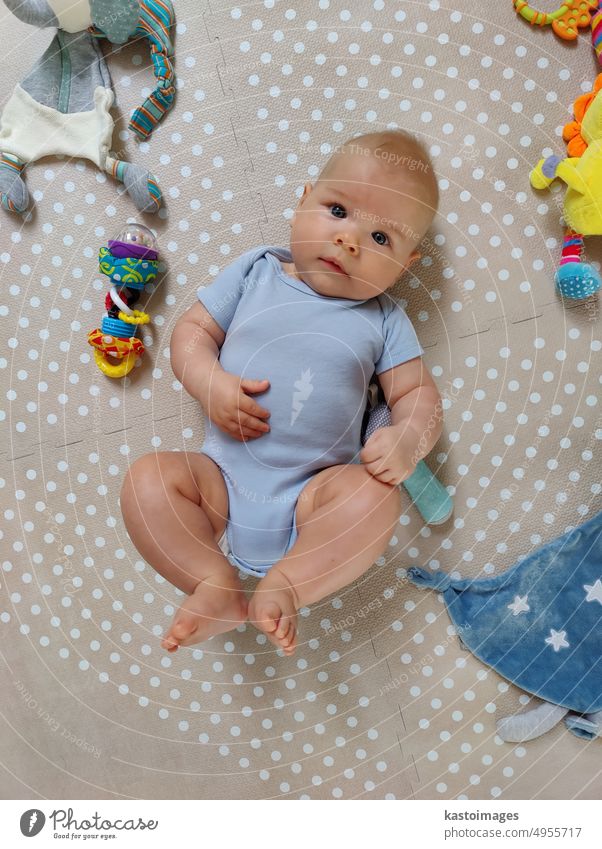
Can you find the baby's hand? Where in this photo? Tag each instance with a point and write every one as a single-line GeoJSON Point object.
{"type": "Point", "coordinates": [230, 408]}
{"type": "Point", "coordinates": [386, 457]}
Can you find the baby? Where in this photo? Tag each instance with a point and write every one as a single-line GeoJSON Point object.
{"type": "Point", "coordinates": [279, 351]}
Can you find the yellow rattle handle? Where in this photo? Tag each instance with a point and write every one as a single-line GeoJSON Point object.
{"type": "Point", "coordinates": [566, 21]}
{"type": "Point", "coordinates": [541, 19]}
{"type": "Point", "coordinates": [115, 370]}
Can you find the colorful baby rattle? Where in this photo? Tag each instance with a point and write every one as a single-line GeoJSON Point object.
{"type": "Point", "coordinates": [130, 261]}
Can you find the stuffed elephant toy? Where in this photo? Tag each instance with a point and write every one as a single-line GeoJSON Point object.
{"type": "Point", "coordinates": [62, 107]}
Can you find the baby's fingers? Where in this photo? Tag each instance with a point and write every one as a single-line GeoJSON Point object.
{"type": "Point", "coordinates": [249, 434]}
{"type": "Point", "coordinates": [242, 434]}
{"type": "Point", "coordinates": [376, 470]}
{"type": "Point", "coordinates": [245, 420]}
{"type": "Point", "coordinates": [247, 426]}
{"type": "Point", "coordinates": [251, 407]}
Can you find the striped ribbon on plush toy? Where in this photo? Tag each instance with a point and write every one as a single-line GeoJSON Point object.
{"type": "Point", "coordinates": [157, 17]}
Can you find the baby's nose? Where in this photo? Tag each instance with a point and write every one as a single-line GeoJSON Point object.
{"type": "Point", "coordinates": [349, 245]}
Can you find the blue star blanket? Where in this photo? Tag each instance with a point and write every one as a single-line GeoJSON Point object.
{"type": "Point", "coordinates": [539, 624]}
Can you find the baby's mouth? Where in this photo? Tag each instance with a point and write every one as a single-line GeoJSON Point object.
{"type": "Point", "coordinates": [333, 266]}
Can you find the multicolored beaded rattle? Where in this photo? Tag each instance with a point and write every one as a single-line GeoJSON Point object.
{"type": "Point", "coordinates": [130, 261]}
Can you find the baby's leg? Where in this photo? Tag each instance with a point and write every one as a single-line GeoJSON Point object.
{"type": "Point", "coordinates": [345, 518]}
{"type": "Point", "coordinates": [175, 506]}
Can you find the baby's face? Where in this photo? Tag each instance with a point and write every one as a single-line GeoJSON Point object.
{"type": "Point", "coordinates": [366, 218]}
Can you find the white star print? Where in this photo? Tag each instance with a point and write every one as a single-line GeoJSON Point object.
{"type": "Point", "coordinates": [519, 605]}
{"type": "Point", "coordinates": [594, 592]}
{"type": "Point", "coordinates": [557, 639]}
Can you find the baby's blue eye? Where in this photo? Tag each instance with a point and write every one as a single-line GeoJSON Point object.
{"type": "Point", "coordinates": [338, 206]}
{"type": "Point", "coordinates": [384, 236]}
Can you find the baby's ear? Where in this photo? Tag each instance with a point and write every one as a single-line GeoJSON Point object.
{"type": "Point", "coordinates": [306, 191]}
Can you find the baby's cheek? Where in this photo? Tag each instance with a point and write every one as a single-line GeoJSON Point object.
{"type": "Point", "coordinates": [315, 224]}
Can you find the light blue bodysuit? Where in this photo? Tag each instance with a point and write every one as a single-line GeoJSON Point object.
{"type": "Point", "coordinates": [319, 354]}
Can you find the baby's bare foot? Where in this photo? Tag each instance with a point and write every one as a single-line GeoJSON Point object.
{"type": "Point", "coordinates": [213, 608]}
{"type": "Point", "coordinates": [273, 610]}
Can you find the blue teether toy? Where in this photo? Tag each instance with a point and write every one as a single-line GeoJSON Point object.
{"type": "Point", "coordinates": [429, 496]}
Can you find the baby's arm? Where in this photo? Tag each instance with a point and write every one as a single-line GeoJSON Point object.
{"type": "Point", "coordinates": [194, 350]}
{"type": "Point", "coordinates": [391, 453]}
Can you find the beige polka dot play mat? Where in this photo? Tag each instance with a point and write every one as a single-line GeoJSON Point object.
{"type": "Point", "coordinates": [381, 700]}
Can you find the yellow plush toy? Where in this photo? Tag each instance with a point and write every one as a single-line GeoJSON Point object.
{"type": "Point", "coordinates": [582, 172]}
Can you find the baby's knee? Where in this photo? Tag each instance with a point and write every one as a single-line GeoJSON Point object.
{"type": "Point", "coordinates": [374, 495]}
{"type": "Point", "coordinates": [141, 480]}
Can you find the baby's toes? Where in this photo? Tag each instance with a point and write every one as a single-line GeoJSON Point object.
{"type": "Point", "coordinates": [289, 641]}
{"type": "Point", "coordinates": [179, 631]}
{"type": "Point", "coordinates": [284, 626]}
{"type": "Point", "coordinates": [268, 616]}
{"type": "Point", "coordinates": [285, 634]}
{"type": "Point", "coordinates": [170, 643]}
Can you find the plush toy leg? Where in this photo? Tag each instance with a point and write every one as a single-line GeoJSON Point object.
{"type": "Point", "coordinates": [140, 185]}
{"type": "Point", "coordinates": [587, 727]}
{"type": "Point", "coordinates": [430, 497]}
{"type": "Point", "coordinates": [574, 278]}
{"type": "Point", "coordinates": [544, 173]}
{"type": "Point", "coordinates": [13, 192]}
{"type": "Point", "coordinates": [533, 723]}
